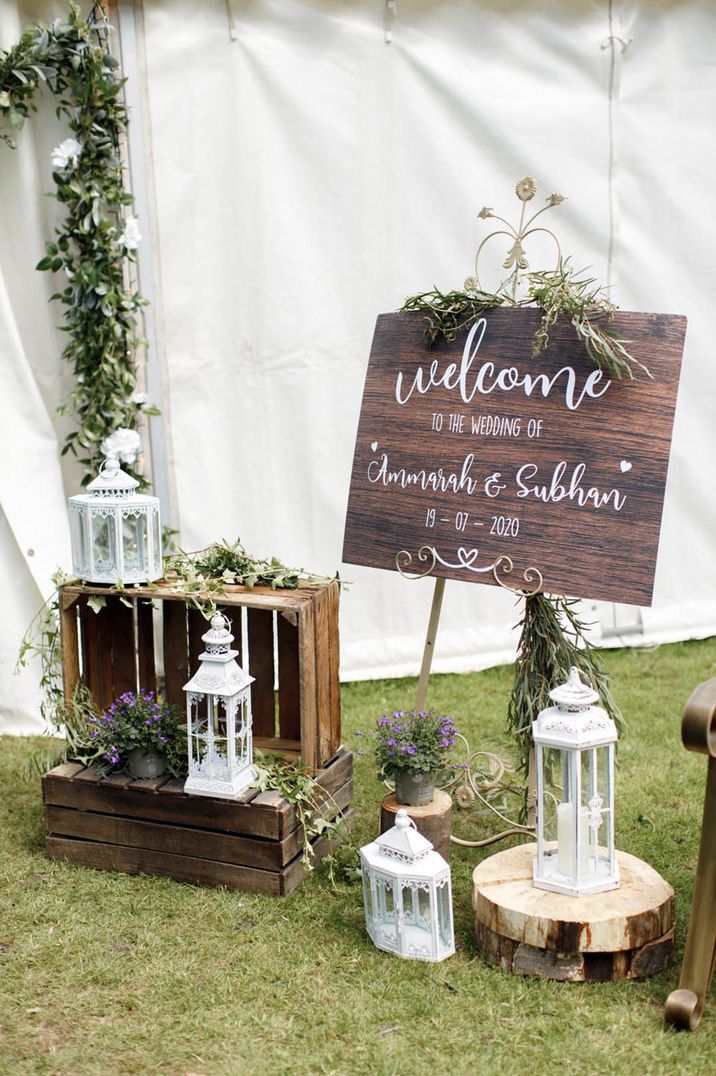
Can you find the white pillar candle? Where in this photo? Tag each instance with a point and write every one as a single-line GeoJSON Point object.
{"type": "Point", "coordinates": [567, 835]}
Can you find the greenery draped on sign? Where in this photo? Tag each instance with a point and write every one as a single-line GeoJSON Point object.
{"type": "Point", "coordinates": [98, 237]}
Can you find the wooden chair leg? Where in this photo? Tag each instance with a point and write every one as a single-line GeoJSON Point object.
{"type": "Point", "coordinates": [684, 1006]}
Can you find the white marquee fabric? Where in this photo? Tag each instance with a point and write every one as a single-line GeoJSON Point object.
{"type": "Point", "coordinates": [304, 175]}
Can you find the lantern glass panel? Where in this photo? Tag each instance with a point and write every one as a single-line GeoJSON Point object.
{"type": "Point", "coordinates": [444, 914]}
{"type": "Point", "coordinates": [424, 913]}
{"type": "Point", "coordinates": [242, 743]}
{"type": "Point", "coordinates": [78, 528]}
{"type": "Point", "coordinates": [199, 728]}
{"type": "Point", "coordinates": [218, 764]}
{"type": "Point", "coordinates": [386, 899]}
{"type": "Point", "coordinates": [409, 897]}
{"type": "Point", "coordinates": [156, 539]}
{"type": "Point", "coordinates": [134, 541]}
{"type": "Point", "coordinates": [104, 543]}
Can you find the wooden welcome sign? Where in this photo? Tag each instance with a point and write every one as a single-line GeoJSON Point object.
{"type": "Point", "coordinates": [477, 451]}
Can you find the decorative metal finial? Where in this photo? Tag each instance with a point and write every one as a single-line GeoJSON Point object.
{"type": "Point", "coordinates": [516, 259]}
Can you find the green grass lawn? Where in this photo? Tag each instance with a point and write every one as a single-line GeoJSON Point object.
{"type": "Point", "coordinates": [106, 973]}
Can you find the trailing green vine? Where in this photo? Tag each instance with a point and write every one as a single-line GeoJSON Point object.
{"type": "Point", "coordinates": [203, 574]}
{"type": "Point", "coordinates": [42, 642]}
{"type": "Point", "coordinates": [300, 788]}
{"type": "Point", "coordinates": [97, 240]}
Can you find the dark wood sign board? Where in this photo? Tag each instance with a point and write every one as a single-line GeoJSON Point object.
{"type": "Point", "coordinates": [477, 450]}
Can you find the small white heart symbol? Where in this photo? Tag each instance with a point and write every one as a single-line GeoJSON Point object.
{"type": "Point", "coordinates": [466, 558]}
{"type": "Point", "coordinates": [374, 447]}
{"type": "Point", "coordinates": [625, 466]}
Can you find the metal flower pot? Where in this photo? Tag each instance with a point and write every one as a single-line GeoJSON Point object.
{"type": "Point", "coordinates": [145, 764]}
{"type": "Point", "coordinates": [414, 789]}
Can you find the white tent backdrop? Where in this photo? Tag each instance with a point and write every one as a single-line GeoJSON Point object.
{"type": "Point", "coordinates": [301, 175]}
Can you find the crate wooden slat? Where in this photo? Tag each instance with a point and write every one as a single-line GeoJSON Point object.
{"type": "Point", "coordinates": [260, 633]}
{"type": "Point", "coordinates": [113, 651]}
{"type": "Point", "coordinates": [153, 827]}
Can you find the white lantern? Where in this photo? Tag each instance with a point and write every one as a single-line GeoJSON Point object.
{"type": "Point", "coordinates": [574, 741]}
{"type": "Point", "coordinates": [218, 702]}
{"type": "Point", "coordinates": [407, 893]}
{"type": "Point", "coordinates": [116, 532]}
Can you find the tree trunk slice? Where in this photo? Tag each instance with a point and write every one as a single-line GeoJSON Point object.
{"type": "Point", "coordinates": [624, 933]}
{"type": "Point", "coordinates": [432, 820]}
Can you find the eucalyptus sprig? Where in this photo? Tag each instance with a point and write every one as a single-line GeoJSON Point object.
{"type": "Point", "coordinates": [562, 294]}
{"type": "Point", "coordinates": [552, 640]}
{"type": "Point", "coordinates": [95, 243]}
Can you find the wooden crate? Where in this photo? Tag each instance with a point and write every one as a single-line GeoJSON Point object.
{"type": "Point", "coordinates": [253, 843]}
{"type": "Point", "coordinates": [287, 640]}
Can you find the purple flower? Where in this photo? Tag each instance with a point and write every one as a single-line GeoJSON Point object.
{"type": "Point", "coordinates": [384, 721]}
{"type": "Point", "coordinates": [411, 749]}
{"type": "Point", "coordinates": [392, 742]}
{"type": "Point", "coordinates": [358, 733]}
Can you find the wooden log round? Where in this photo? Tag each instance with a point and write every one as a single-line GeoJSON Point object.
{"type": "Point", "coordinates": [433, 820]}
{"type": "Point", "coordinates": [621, 934]}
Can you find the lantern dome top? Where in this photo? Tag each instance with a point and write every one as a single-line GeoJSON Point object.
{"type": "Point", "coordinates": [403, 841]}
{"type": "Point", "coordinates": [574, 694]}
{"type": "Point", "coordinates": [574, 722]}
{"type": "Point", "coordinates": [112, 480]}
{"type": "Point", "coordinates": [219, 634]}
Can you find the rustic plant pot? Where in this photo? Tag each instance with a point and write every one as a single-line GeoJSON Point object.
{"type": "Point", "coordinates": [414, 789]}
{"type": "Point", "coordinates": [145, 764]}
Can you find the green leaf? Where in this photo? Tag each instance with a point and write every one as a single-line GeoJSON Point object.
{"type": "Point", "coordinates": [96, 603]}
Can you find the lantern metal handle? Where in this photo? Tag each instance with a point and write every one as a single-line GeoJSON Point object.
{"type": "Point", "coordinates": [112, 465]}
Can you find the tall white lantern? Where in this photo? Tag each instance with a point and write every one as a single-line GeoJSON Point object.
{"type": "Point", "coordinates": [116, 532]}
{"type": "Point", "coordinates": [574, 742]}
{"type": "Point", "coordinates": [218, 703]}
{"type": "Point", "coordinates": [407, 893]}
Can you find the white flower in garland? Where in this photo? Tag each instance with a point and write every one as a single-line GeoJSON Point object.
{"type": "Point", "coordinates": [131, 236]}
{"type": "Point", "coordinates": [66, 155]}
{"type": "Point", "coordinates": [123, 445]}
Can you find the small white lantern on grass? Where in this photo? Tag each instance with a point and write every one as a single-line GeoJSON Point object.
{"type": "Point", "coordinates": [218, 703]}
{"type": "Point", "coordinates": [116, 532]}
{"type": "Point", "coordinates": [407, 893]}
{"type": "Point", "coordinates": [575, 837]}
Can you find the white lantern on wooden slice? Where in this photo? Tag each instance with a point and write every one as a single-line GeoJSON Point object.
{"type": "Point", "coordinates": [407, 893]}
{"type": "Point", "coordinates": [218, 702]}
{"type": "Point", "coordinates": [574, 745]}
{"type": "Point", "coordinates": [116, 532]}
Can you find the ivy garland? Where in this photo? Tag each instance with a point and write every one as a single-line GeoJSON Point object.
{"type": "Point", "coordinates": [96, 243]}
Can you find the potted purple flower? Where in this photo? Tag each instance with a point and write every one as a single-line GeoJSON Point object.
{"type": "Point", "coordinates": [139, 734]}
{"type": "Point", "coordinates": [412, 748]}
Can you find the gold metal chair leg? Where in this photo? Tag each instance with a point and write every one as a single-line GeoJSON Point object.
{"type": "Point", "coordinates": [684, 1006]}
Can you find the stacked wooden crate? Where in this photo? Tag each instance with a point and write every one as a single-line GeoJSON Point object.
{"type": "Point", "coordinates": [288, 641]}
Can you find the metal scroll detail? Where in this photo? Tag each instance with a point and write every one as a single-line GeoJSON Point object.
{"type": "Point", "coordinates": [404, 559]}
{"type": "Point", "coordinates": [516, 259]}
{"type": "Point", "coordinates": [531, 577]}
{"type": "Point", "coordinates": [483, 781]}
